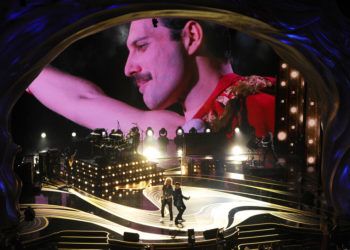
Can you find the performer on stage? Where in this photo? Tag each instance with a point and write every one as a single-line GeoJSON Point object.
{"type": "Point", "coordinates": [178, 203]}
{"type": "Point", "coordinates": [167, 197]}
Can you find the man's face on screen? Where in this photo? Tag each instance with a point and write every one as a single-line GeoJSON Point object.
{"type": "Point", "coordinates": [157, 63]}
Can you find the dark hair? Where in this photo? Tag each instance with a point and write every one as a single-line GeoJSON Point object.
{"type": "Point", "coordinates": [177, 183]}
{"type": "Point", "coordinates": [217, 37]}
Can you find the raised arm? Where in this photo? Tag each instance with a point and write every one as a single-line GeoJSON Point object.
{"type": "Point", "coordinates": [85, 103]}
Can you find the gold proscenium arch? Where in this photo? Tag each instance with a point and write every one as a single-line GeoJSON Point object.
{"type": "Point", "coordinates": [112, 17]}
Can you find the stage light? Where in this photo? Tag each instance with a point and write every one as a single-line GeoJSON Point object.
{"type": "Point", "coordinates": [237, 150]}
{"type": "Point", "coordinates": [310, 141]}
{"type": "Point", "coordinates": [207, 130]}
{"type": "Point", "coordinates": [282, 101]}
{"type": "Point", "coordinates": [163, 140]}
{"type": "Point", "coordinates": [293, 109]}
{"type": "Point", "coordinates": [149, 132]}
{"type": "Point", "coordinates": [282, 118]}
{"type": "Point", "coordinates": [310, 169]}
{"type": "Point", "coordinates": [151, 153]}
{"type": "Point", "coordinates": [179, 152]}
{"type": "Point", "coordinates": [163, 132]}
{"type": "Point", "coordinates": [311, 122]}
{"type": "Point", "coordinates": [282, 136]}
{"type": "Point", "coordinates": [74, 134]}
{"type": "Point", "coordinates": [284, 65]}
{"type": "Point", "coordinates": [292, 127]}
{"type": "Point", "coordinates": [238, 154]}
{"type": "Point", "coordinates": [237, 130]}
{"type": "Point", "coordinates": [179, 131]}
{"type": "Point", "coordinates": [43, 135]}
{"type": "Point", "coordinates": [193, 130]}
{"type": "Point", "coordinates": [294, 74]}
{"type": "Point", "coordinates": [311, 160]}
{"type": "Point", "coordinates": [283, 83]}
{"type": "Point", "coordinates": [179, 138]}
{"type": "Point", "coordinates": [312, 103]}
{"type": "Point", "coordinates": [235, 176]}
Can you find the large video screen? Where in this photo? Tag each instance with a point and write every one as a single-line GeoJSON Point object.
{"type": "Point", "coordinates": [152, 64]}
{"type": "Point", "coordinates": [160, 73]}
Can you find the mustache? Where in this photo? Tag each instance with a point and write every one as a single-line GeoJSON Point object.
{"type": "Point", "coordinates": [142, 77]}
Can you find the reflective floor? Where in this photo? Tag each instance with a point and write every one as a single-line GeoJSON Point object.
{"type": "Point", "coordinates": [260, 209]}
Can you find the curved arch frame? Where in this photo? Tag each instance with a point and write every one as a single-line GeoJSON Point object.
{"type": "Point", "coordinates": [301, 45]}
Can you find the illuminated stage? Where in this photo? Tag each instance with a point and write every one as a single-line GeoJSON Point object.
{"type": "Point", "coordinates": [243, 209]}
{"type": "Point", "coordinates": [252, 126]}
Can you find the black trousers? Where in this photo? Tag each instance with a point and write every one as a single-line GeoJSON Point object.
{"type": "Point", "coordinates": [168, 202]}
{"type": "Point", "coordinates": [181, 208]}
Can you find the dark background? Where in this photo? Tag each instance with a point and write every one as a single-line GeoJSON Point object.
{"type": "Point", "coordinates": [100, 58]}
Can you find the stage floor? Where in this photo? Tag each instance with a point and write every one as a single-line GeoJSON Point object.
{"type": "Point", "coordinates": [253, 206]}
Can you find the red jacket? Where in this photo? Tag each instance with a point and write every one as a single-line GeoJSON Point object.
{"type": "Point", "coordinates": [260, 106]}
